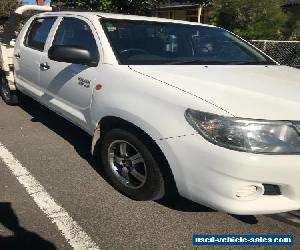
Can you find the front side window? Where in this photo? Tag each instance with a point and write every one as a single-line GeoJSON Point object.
{"type": "Point", "coordinates": [145, 42]}
{"type": "Point", "coordinates": [38, 33]}
{"type": "Point", "coordinates": [75, 32]}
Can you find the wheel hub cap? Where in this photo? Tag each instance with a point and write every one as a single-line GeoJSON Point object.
{"type": "Point", "coordinates": [127, 164]}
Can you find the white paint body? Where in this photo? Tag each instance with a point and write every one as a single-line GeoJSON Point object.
{"type": "Point", "coordinates": [154, 98]}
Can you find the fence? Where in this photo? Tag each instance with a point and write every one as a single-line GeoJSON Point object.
{"type": "Point", "coordinates": [284, 52]}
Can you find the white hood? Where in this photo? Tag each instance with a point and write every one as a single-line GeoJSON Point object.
{"type": "Point", "coordinates": [258, 92]}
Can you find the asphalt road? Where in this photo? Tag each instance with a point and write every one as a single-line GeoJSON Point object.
{"type": "Point", "coordinates": [57, 154]}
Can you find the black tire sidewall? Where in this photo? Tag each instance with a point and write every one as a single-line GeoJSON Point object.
{"type": "Point", "coordinates": [12, 98]}
{"type": "Point", "coordinates": [2, 82]}
{"type": "Point", "coordinates": [153, 189]}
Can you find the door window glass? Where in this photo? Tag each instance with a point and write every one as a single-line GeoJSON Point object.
{"type": "Point", "coordinates": [75, 32]}
{"type": "Point", "coordinates": [38, 32]}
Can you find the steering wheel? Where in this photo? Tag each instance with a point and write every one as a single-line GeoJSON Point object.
{"type": "Point", "coordinates": [134, 51]}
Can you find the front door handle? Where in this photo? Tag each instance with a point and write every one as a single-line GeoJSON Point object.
{"type": "Point", "coordinates": [44, 66]}
{"type": "Point", "coordinates": [17, 56]}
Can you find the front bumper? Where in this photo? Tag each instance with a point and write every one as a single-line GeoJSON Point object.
{"type": "Point", "coordinates": [216, 177]}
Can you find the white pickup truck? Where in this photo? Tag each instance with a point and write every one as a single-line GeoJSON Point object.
{"type": "Point", "coordinates": [170, 105]}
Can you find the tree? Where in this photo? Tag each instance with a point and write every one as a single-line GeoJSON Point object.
{"type": "Point", "coordinates": [7, 6]}
{"type": "Point", "coordinates": [255, 19]}
{"type": "Point", "coordinates": [84, 4]}
{"type": "Point", "coordinates": [120, 6]}
{"type": "Point", "coordinates": [293, 26]}
{"type": "Point", "coordinates": [295, 33]}
{"type": "Point", "coordinates": [202, 2]}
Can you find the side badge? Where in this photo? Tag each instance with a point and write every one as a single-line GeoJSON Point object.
{"type": "Point", "coordinates": [84, 82]}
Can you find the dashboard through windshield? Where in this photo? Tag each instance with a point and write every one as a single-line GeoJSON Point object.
{"type": "Point", "coordinates": [160, 43]}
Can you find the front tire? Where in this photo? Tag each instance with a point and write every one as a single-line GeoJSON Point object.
{"type": "Point", "coordinates": [131, 167]}
{"type": "Point", "coordinates": [9, 97]}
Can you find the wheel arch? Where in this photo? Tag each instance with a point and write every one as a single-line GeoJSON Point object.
{"type": "Point", "coordinates": [111, 122]}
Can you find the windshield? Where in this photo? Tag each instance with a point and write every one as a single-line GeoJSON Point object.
{"type": "Point", "coordinates": [156, 43]}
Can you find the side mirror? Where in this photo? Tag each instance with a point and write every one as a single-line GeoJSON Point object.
{"type": "Point", "coordinates": [72, 54]}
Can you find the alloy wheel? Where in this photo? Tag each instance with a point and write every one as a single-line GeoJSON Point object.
{"type": "Point", "coordinates": [127, 164]}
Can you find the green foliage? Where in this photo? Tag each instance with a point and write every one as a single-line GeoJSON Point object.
{"type": "Point", "coordinates": [293, 27]}
{"type": "Point", "coordinates": [86, 4]}
{"type": "Point", "coordinates": [255, 19]}
{"type": "Point", "coordinates": [135, 6]}
{"type": "Point", "coordinates": [296, 31]}
{"type": "Point", "coordinates": [120, 6]}
{"type": "Point", "coordinates": [8, 5]}
{"type": "Point", "coordinates": [203, 2]}
{"type": "Point", "coordinates": [251, 19]}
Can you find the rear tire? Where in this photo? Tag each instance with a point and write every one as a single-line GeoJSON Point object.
{"type": "Point", "coordinates": [131, 167]}
{"type": "Point", "coordinates": [9, 97]}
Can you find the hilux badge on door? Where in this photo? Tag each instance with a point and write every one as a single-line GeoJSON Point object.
{"type": "Point", "coordinates": [84, 82]}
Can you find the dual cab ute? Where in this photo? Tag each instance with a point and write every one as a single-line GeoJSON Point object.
{"type": "Point", "coordinates": [171, 105]}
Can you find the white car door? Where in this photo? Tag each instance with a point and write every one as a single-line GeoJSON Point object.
{"type": "Point", "coordinates": [28, 53]}
{"type": "Point", "coordinates": [69, 87]}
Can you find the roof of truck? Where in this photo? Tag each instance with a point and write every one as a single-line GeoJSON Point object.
{"type": "Point", "coordinates": [122, 16]}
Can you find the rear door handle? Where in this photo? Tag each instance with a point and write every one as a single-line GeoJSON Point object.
{"type": "Point", "coordinates": [44, 66]}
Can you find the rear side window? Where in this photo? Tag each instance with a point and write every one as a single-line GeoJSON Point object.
{"type": "Point", "coordinates": [38, 32]}
{"type": "Point", "coordinates": [75, 32]}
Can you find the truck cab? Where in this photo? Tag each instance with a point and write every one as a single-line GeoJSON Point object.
{"type": "Point", "coordinates": [63, 86]}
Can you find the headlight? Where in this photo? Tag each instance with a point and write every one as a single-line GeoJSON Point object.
{"type": "Point", "coordinates": [256, 136]}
